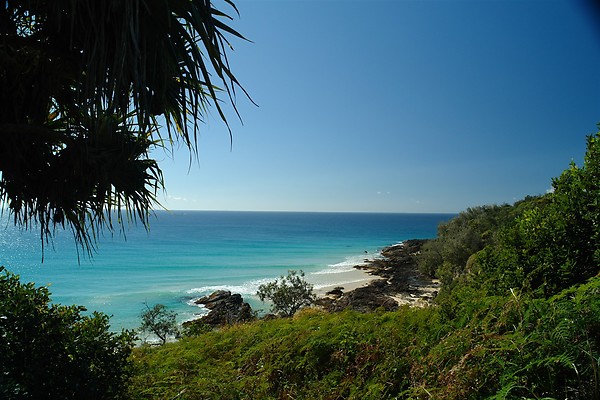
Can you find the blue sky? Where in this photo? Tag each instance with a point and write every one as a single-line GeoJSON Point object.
{"type": "Point", "coordinates": [396, 106]}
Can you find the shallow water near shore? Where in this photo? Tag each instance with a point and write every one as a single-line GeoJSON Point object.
{"type": "Point", "coordinates": [188, 254]}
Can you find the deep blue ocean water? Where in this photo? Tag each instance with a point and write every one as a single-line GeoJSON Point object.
{"type": "Point", "coordinates": [187, 254]}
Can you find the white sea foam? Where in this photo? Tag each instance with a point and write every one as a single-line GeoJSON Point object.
{"type": "Point", "coordinates": [246, 288]}
{"type": "Point", "coordinates": [191, 302]}
{"type": "Point", "coordinates": [200, 310]}
{"type": "Point", "coordinates": [348, 264]}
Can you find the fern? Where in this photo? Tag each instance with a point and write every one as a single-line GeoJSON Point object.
{"type": "Point", "coordinates": [502, 394]}
{"type": "Point", "coordinates": [563, 331]}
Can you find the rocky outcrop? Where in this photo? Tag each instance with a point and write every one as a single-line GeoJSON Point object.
{"type": "Point", "coordinates": [225, 308]}
{"type": "Point", "coordinates": [364, 299]}
{"type": "Point", "coordinates": [401, 283]}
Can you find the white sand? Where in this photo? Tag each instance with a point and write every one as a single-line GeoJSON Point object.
{"type": "Point", "coordinates": [349, 280]}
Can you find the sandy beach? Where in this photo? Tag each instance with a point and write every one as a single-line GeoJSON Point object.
{"type": "Point", "coordinates": [390, 281]}
{"type": "Point", "coordinates": [350, 280]}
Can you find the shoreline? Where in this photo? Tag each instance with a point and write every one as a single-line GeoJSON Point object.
{"type": "Point", "coordinates": [391, 281]}
{"type": "Point", "coordinates": [387, 282]}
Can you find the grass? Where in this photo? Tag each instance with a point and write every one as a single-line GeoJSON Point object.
{"type": "Point", "coordinates": [511, 347]}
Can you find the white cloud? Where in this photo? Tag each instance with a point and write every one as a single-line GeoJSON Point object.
{"type": "Point", "coordinates": [176, 198]}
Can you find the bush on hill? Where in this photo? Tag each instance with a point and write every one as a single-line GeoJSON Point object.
{"type": "Point", "coordinates": [555, 243]}
{"type": "Point", "coordinates": [446, 256]}
{"type": "Point", "coordinates": [50, 351]}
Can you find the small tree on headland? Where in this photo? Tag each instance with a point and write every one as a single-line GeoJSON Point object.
{"type": "Point", "coordinates": [288, 293]}
{"type": "Point", "coordinates": [160, 321]}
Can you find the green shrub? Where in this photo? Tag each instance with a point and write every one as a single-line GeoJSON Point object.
{"type": "Point", "coordinates": [446, 256]}
{"type": "Point", "coordinates": [49, 351]}
{"type": "Point", "coordinates": [554, 243]}
{"type": "Point", "coordinates": [514, 346]}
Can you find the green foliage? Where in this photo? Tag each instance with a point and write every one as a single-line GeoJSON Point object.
{"type": "Point", "coordinates": [195, 328]}
{"type": "Point", "coordinates": [541, 244]}
{"type": "Point", "coordinates": [314, 355]}
{"type": "Point", "coordinates": [446, 256]}
{"type": "Point", "coordinates": [50, 351]}
{"type": "Point", "coordinates": [495, 347]}
{"type": "Point", "coordinates": [288, 294]}
{"type": "Point", "coordinates": [520, 347]}
{"type": "Point", "coordinates": [553, 244]}
{"type": "Point", "coordinates": [85, 87]}
{"type": "Point", "coordinates": [160, 321]}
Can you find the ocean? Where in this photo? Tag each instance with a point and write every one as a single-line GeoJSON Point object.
{"type": "Point", "coordinates": [188, 254]}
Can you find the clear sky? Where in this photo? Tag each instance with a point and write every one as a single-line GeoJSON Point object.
{"type": "Point", "coordinates": [397, 106]}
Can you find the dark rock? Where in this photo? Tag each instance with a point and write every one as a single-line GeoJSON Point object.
{"type": "Point", "coordinates": [335, 292]}
{"type": "Point", "coordinates": [213, 298]}
{"type": "Point", "coordinates": [225, 309]}
{"type": "Point", "coordinates": [375, 285]}
{"type": "Point", "coordinates": [364, 299]}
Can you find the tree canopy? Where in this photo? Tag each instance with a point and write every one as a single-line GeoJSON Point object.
{"type": "Point", "coordinates": [288, 294]}
{"type": "Point", "coordinates": [541, 245]}
{"type": "Point", "coordinates": [160, 321]}
{"type": "Point", "coordinates": [85, 87]}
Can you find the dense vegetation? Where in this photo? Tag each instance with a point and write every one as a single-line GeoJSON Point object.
{"type": "Point", "coordinates": [518, 317]}
{"type": "Point", "coordinates": [504, 347]}
{"type": "Point", "coordinates": [53, 351]}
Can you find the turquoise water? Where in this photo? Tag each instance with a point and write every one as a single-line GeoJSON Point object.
{"type": "Point", "coordinates": [187, 254]}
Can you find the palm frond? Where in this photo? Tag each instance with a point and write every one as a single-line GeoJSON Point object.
{"type": "Point", "coordinates": [83, 86]}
